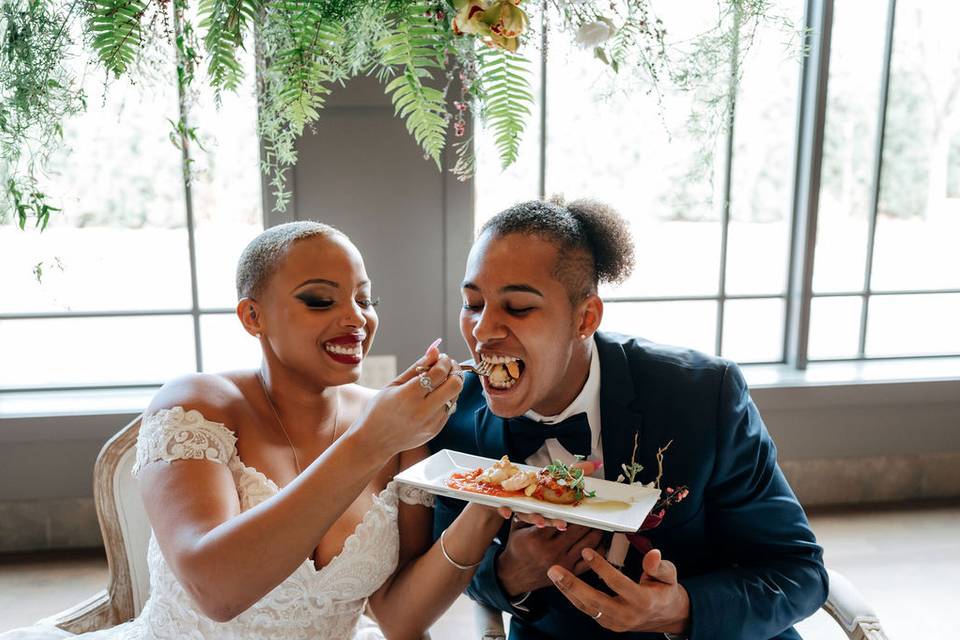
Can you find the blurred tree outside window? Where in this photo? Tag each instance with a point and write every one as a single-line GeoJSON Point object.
{"type": "Point", "coordinates": [104, 296]}
{"type": "Point", "coordinates": [726, 293]}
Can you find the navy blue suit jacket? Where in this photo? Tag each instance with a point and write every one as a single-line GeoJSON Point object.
{"type": "Point", "coordinates": [741, 542]}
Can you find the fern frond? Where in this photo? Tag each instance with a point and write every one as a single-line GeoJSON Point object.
{"type": "Point", "coordinates": [466, 165]}
{"type": "Point", "coordinates": [505, 96]}
{"type": "Point", "coordinates": [413, 48]}
{"type": "Point", "coordinates": [117, 32]}
{"type": "Point", "coordinates": [226, 22]}
{"type": "Point", "coordinates": [302, 66]}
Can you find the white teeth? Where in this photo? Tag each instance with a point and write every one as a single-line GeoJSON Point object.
{"type": "Point", "coordinates": [497, 359]}
{"type": "Point", "coordinates": [498, 384]}
{"type": "Point", "coordinates": [344, 350]}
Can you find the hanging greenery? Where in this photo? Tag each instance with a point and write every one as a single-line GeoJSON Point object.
{"type": "Point", "coordinates": [443, 63]}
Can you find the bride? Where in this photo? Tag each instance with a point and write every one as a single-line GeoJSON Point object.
{"type": "Point", "coordinates": [270, 491]}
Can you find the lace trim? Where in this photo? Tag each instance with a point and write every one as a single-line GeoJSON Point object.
{"type": "Point", "coordinates": [175, 434]}
{"type": "Point", "coordinates": [415, 495]}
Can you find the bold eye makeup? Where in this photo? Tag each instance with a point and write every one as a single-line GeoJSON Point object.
{"type": "Point", "coordinates": [314, 301]}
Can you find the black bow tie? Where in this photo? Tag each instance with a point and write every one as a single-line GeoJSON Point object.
{"type": "Point", "coordinates": [526, 436]}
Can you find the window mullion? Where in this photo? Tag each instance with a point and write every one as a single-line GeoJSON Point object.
{"type": "Point", "coordinates": [183, 125]}
{"type": "Point", "coordinates": [810, 127]}
{"type": "Point", "coordinates": [727, 180]}
{"type": "Point", "coordinates": [544, 41]}
{"type": "Point", "coordinates": [877, 175]}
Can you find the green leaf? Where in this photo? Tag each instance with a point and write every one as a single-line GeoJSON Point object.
{"type": "Point", "coordinates": [226, 22]}
{"type": "Point", "coordinates": [116, 24]}
{"type": "Point", "coordinates": [415, 46]}
{"type": "Point", "coordinates": [506, 97]}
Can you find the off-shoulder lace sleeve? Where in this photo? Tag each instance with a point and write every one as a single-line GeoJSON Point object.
{"type": "Point", "coordinates": [414, 495]}
{"type": "Point", "coordinates": [175, 434]}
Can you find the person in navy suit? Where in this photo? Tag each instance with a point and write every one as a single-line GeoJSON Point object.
{"type": "Point", "coordinates": [735, 559]}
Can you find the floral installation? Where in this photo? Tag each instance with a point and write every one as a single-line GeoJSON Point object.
{"type": "Point", "coordinates": [448, 66]}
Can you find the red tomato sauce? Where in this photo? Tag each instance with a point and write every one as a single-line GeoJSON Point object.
{"type": "Point", "coordinates": [469, 482]}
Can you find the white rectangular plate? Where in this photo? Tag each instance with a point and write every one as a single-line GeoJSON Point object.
{"type": "Point", "coordinates": [616, 507]}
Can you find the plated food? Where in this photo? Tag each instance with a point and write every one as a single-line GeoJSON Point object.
{"type": "Point", "coordinates": [617, 506]}
{"type": "Point", "coordinates": [557, 483]}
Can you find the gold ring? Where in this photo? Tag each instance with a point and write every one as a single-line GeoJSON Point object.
{"type": "Point", "coordinates": [421, 369]}
{"type": "Point", "coordinates": [599, 613]}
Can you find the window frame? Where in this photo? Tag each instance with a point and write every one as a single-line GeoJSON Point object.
{"type": "Point", "coordinates": [811, 118]}
{"type": "Point", "coordinates": [195, 311]}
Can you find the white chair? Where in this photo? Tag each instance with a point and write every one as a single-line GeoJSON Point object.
{"type": "Point", "coordinates": [126, 532]}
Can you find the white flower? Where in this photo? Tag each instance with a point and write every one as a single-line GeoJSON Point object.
{"type": "Point", "coordinates": [592, 34]}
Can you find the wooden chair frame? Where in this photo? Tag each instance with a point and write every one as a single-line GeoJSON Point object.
{"type": "Point", "coordinates": [115, 604]}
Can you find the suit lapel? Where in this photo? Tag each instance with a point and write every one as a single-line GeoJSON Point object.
{"type": "Point", "coordinates": [619, 422]}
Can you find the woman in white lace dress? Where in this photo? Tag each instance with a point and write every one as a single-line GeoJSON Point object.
{"type": "Point", "coordinates": [270, 491]}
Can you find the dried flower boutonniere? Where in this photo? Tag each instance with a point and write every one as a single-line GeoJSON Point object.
{"type": "Point", "coordinates": [672, 495]}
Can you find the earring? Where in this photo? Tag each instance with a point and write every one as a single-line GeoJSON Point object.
{"type": "Point", "coordinates": [583, 336]}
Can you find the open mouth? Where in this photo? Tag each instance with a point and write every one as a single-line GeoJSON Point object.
{"type": "Point", "coordinates": [347, 351]}
{"type": "Point", "coordinates": [501, 372]}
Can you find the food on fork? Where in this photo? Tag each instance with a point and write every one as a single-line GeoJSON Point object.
{"type": "Point", "coordinates": [557, 483]}
{"type": "Point", "coordinates": [501, 371]}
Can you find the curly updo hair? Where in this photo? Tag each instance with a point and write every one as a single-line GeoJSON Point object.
{"type": "Point", "coordinates": [261, 258]}
{"type": "Point", "coordinates": [593, 240]}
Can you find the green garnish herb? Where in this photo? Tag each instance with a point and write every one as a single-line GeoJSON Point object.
{"type": "Point", "coordinates": [572, 477]}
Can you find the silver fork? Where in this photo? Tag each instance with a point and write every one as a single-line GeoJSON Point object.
{"type": "Point", "coordinates": [481, 369]}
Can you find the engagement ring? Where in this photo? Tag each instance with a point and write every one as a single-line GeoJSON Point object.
{"type": "Point", "coordinates": [426, 383]}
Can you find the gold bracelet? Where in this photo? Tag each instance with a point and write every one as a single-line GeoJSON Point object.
{"type": "Point", "coordinates": [462, 567]}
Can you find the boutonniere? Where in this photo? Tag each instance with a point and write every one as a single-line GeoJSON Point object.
{"type": "Point", "coordinates": [669, 496]}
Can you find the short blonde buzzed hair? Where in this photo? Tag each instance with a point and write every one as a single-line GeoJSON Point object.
{"type": "Point", "coordinates": [261, 258]}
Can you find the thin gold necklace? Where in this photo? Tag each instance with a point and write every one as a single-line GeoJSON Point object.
{"type": "Point", "coordinates": [276, 414]}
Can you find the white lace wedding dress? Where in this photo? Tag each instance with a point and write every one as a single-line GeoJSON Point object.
{"type": "Point", "coordinates": [311, 604]}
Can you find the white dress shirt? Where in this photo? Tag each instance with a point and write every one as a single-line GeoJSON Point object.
{"type": "Point", "coordinates": [587, 401]}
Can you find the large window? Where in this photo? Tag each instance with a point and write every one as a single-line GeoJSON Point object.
{"type": "Point", "coordinates": [133, 283]}
{"type": "Point", "coordinates": [717, 220]}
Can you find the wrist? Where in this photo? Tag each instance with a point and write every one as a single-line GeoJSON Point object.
{"type": "Point", "coordinates": [485, 519]}
{"type": "Point", "coordinates": [510, 587]}
{"type": "Point", "coordinates": [678, 623]}
{"type": "Point", "coordinates": [365, 449]}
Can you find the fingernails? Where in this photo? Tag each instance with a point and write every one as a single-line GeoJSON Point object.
{"type": "Point", "coordinates": [588, 555]}
{"type": "Point", "coordinates": [433, 345]}
{"type": "Point", "coordinates": [554, 574]}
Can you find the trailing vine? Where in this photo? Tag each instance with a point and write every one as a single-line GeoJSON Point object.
{"type": "Point", "coordinates": [443, 63]}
